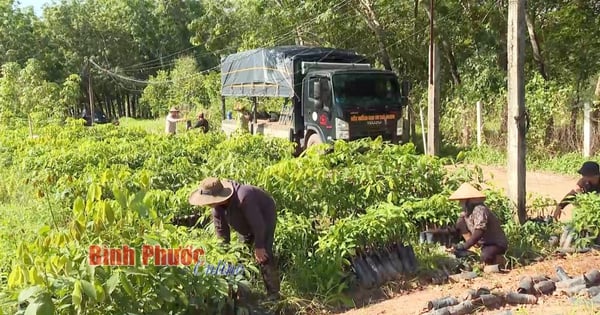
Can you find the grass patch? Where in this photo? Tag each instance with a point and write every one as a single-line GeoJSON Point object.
{"type": "Point", "coordinates": [566, 164]}
{"type": "Point", "coordinates": [149, 125]}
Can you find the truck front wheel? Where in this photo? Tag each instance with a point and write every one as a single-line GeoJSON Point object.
{"type": "Point", "coordinates": [313, 140]}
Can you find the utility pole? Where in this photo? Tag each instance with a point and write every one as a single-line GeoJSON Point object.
{"type": "Point", "coordinates": [517, 119]}
{"type": "Point", "coordinates": [433, 105]}
{"type": "Point", "coordinates": [91, 94]}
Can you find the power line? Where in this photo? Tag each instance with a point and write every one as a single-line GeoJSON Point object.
{"type": "Point", "coordinates": [278, 38]}
{"type": "Point", "coordinates": [247, 56]}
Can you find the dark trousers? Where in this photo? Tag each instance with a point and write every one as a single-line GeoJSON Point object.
{"type": "Point", "coordinates": [489, 252]}
{"type": "Point", "coordinates": [268, 270]}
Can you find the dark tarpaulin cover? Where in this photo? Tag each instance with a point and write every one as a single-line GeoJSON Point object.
{"type": "Point", "coordinates": [272, 71]}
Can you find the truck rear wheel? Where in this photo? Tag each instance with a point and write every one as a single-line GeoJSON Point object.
{"type": "Point", "coordinates": [314, 139]}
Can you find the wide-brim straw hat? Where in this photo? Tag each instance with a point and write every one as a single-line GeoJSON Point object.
{"type": "Point", "coordinates": [174, 109]}
{"type": "Point", "coordinates": [211, 191]}
{"type": "Point", "coordinates": [466, 191]}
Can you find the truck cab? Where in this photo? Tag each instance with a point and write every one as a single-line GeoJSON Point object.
{"type": "Point", "coordinates": [350, 104]}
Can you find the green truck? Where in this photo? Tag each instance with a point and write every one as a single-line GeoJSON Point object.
{"type": "Point", "coordinates": [329, 94]}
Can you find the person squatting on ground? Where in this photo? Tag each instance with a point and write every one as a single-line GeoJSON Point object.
{"type": "Point", "coordinates": [589, 182]}
{"type": "Point", "coordinates": [479, 226]}
{"type": "Point", "coordinates": [250, 211]}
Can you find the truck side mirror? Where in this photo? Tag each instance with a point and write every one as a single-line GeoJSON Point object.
{"type": "Point", "coordinates": [317, 90]}
{"type": "Point", "coordinates": [326, 95]}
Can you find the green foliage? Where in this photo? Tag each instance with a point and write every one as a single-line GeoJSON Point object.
{"type": "Point", "coordinates": [112, 185]}
{"type": "Point", "coordinates": [183, 87]}
{"type": "Point", "coordinates": [546, 101]}
{"type": "Point", "coordinates": [586, 218]}
{"type": "Point", "coordinates": [25, 95]}
{"type": "Point", "coordinates": [144, 178]}
{"type": "Point", "coordinates": [528, 241]}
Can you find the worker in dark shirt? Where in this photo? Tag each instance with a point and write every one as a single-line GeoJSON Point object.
{"type": "Point", "coordinates": [250, 211]}
{"type": "Point", "coordinates": [479, 226]}
{"type": "Point", "coordinates": [589, 182]}
{"type": "Point", "coordinates": [201, 123]}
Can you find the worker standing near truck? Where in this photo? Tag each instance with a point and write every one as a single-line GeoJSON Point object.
{"type": "Point", "coordinates": [250, 211]}
{"type": "Point", "coordinates": [479, 226]}
{"type": "Point", "coordinates": [242, 117]}
{"type": "Point", "coordinates": [172, 120]}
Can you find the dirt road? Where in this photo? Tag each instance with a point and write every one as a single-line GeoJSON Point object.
{"type": "Point", "coordinates": [543, 184]}
{"type": "Point", "coordinates": [537, 183]}
{"type": "Point", "coordinates": [547, 184]}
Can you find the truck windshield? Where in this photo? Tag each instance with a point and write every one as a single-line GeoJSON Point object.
{"type": "Point", "coordinates": [365, 90]}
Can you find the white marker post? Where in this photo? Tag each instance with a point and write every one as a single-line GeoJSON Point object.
{"type": "Point", "coordinates": [587, 130]}
{"type": "Point", "coordinates": [479, 127]}
{"type": "Point", "coordinates": [423, 131]}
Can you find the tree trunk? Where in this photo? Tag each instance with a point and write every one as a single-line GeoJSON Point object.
{"type": "Point", "coordinates": [127, 114]}
{"type": "Point", "coordinates": [133, 112]}
{"type": "Point", "coordinates": [535, 46]}
{"type": "Point", "coordinates": [366, 8]}
{"type": "Point", "coordinates": [501, 49]}
{"type": "Point", "coordinates": [452, 61]}
{"type": "Point", "coordinates": [597, 92]}
{"type": "Point", "coordinates": [549, 132]}
{"type": "Point", "coordinates": [448, 53]}
{"type": "Point", "coordinates": [596, 111]}
{"type": "Point", "coordinates": [574, 114]}
{"type": "Point", "coordinates": [299, 40]}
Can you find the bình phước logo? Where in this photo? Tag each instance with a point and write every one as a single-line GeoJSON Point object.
{"type": "Point", "coordinates": [158, 256]}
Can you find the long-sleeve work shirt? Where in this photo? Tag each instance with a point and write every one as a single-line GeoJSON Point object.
{"type": "Point", "coordinates": [583, 186]}
{"type": "Point", "coordinates": [250, 212]}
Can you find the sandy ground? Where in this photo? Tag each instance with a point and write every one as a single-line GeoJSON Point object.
{"type": "Point", "coordinates": [415, 302]}
{"type": "Point", "coordinates": [537, 183]}
{"type": "Point", "coordinates": [545, 184]}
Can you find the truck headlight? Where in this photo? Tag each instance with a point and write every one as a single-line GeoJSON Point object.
{"type": "Point", "coordinates": [399, 127]}
{"type": "Point", "coordinates": [342, 129]}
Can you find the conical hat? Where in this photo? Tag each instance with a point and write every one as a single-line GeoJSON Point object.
{"type": "Point", "coordinates": [466, 191]}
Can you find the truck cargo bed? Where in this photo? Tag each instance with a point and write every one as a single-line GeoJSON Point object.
{"type": "Point", "coordinates": [264, 127]}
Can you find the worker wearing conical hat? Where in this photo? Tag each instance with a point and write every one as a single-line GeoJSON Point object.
{"type": "Point", "coordinates": [479, 225]}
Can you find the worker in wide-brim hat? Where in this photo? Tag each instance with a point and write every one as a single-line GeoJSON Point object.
{"type": "Point", "coordinates": [479, 225]}
{"type": "Point", "coordinates": [589, 182]}
{"type": "Point", "coordinates": [172, 120]}
{"type": "Point", "coordinates": [250, 211]}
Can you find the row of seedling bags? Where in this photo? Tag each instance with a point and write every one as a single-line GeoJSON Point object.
{"type": "Point", "coordinates": [529, 289]}
{"type": "Point", "coordinates": [374, 266]}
